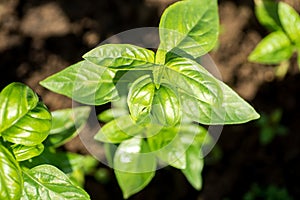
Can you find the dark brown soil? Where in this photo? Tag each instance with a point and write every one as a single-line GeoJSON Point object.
{"type": "Point", "coordinates": [41, 37]}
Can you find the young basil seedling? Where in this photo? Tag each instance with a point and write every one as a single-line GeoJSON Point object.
{"type": "Point", "coordinates": [284, 23]}
{"type": "Point", "coordinates": [168, 92]}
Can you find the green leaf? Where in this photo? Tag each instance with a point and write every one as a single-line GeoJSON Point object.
{"type": "Point", "coordinates": [190, 26]}
{"type": "Point", "coordinates": [66, 124]}
{"type": "Point", "coordinates": [22, 152]}
{"type": "Point", "coordinates": [274, 48]}
{"type": "Point", "coordinates": [48, 182]}
{"type": "Point", "coordinates": [121, 56]}
{"type": "Point", "coordinates": [11, 181]}
{"type": "Point", "coordinates": [16, 100]}
{"type": "Point", "coordinates": [290, 21]}
{"type": "Point", "coordinates": [267, 14]}
{"type": "Point", "coordinates": [111, 114]}
{"type": "Point", "coordinates": [65, 161]}
{"type": "Point", "coordinates": [118, 130]}
{"type": "Point", "coordinates": [205, 99]}
{"type": "Point", "coordinates": [194, 166]}
{"type": "Point", "coordinates": [32, 129]}
{"type": "Point", "coordinates": [140, 98]}
{"type": "Point", "coordinates": [166, 144]}
{"type": "Point", "coordinates": [166, 106]}
{"type": "Point", "coordinates": [134, 167]}
{"type": "Point", "coordinates": [84, 82]}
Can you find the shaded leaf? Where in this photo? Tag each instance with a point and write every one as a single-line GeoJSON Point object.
{"type": "Point", "coordinates": [267, 14]}
{"type": "Point", "coordinates": [191, 26]}
{"type": "Point", "coordinates": [48, 182]}
{"type": "Point", "coordinates": [121, 56]}
{"type": "Point", "coordinates": [66, 124]}
{"type": "Point", "coordinates": [166, 144]}
{"type": "Point", "coordinates": [84, 82]}
{"type": "Point", "coordinates": [134, 167]}
{"type": "Point", "coordinates": [274, 48]}
{"type": "Point", "coordinates": [194, 166]}
{"type": "Point", "coordinates": [118, 130]}
{"type": "Point", "coordinates": [11, 180]}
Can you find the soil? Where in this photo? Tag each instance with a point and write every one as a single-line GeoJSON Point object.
{"type": "Point", "coordinates": [41, 37]}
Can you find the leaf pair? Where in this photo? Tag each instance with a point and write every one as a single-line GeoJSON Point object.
{"type": "Point", "coordinates": [284, 22]}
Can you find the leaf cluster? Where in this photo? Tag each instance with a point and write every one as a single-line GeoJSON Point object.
{"type": "Point", "coordinates": [29, 134]}
{"type": "Point", "coordinates": [167, 94]}
{"type": "Point", "coordinates": [284, 24]}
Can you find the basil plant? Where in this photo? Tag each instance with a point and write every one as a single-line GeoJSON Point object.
{"type": "Point", "coordinates": [168, 96]}
{"type": "Point", "coordinates": [284, 40]}
{"type": "Point", "coordinates": [30, 165]}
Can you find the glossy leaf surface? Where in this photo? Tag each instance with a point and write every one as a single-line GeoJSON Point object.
{"type": "Point", "coordinates": [205, 99]}
{"type": "Point", "coordinates": [121, 56]}
{"type": "Point", "coordinates": [166, 106]}
{"type": "Point", "coordinates": [274, 48]}
{"type": "Point", "coordinates": [32, 129]}
{"type": "Point", "coordinates": [66, 124]}
{"type": "Point", "coordinates": [189, 26]}
{"type": "Point", "coordinates": [16, 100]}
{"type": "Point", "coordinates": [48, 182]}
{"type": "Point", "coordinates": [84, 82]}
{"type": "Point", "coordinates": [140, 98]}
{"type": "Point", "coordinates": [11, 180]}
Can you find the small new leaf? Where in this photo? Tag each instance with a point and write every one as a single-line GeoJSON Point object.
{"type": "Point", "coordinates": [140, 98]}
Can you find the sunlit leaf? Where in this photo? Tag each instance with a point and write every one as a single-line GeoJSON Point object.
{"type": "Point", "coordinates": [274, 48]}
{"type": "Point", "coordinates": [189, 26]}
{"type": "Point", "coordinates": [11, 180]}
{"type": "Point", "coordinates": [84, 82]}
{"type": "Point", "coordinates": [22, 152]}
{"type": "Point", "coordinates": [48, 182]}
{"type": "Point", "coordinates": [121, 56]}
